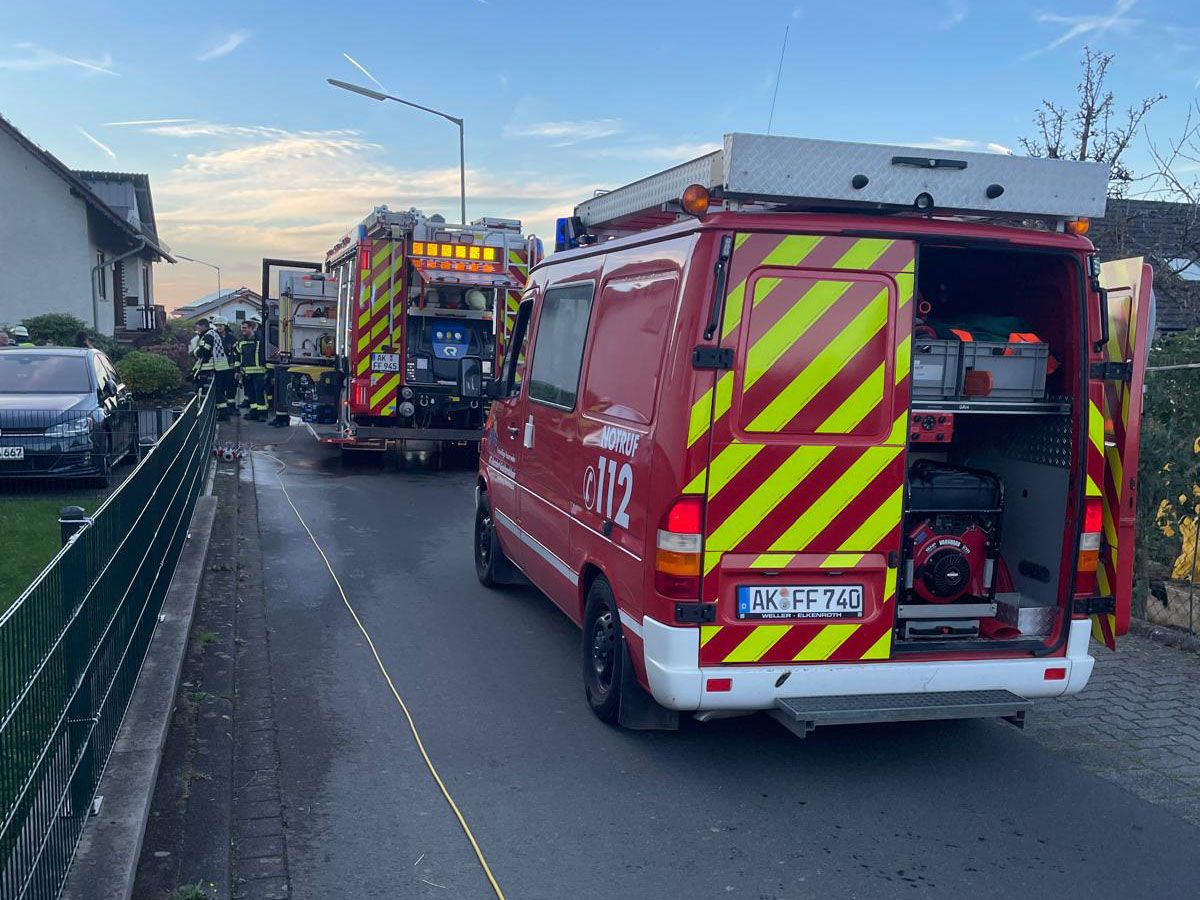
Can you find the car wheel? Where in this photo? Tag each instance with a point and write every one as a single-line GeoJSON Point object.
{"type": "Point", "coordinates": [104, 463]}
{"type": "Point", "coordinates": [603, 652]}
{"type": "Point", "coordinates": [492, 567]}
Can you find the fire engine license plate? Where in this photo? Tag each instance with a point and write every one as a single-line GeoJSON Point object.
{"type": "Point", "coordinates": [802, 601]}
{"type": "Point", "coordinates": [12, 452]}
{"type": "Point", "coordinates": [385, 362]}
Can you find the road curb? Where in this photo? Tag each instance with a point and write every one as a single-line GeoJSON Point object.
{"type": "Point", "coordinates": [106, 862]}
{"type": "Point", "coordinates": [1160, 634]}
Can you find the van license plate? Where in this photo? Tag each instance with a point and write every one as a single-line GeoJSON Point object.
{"type": "Point", "coordinates": [800, 601]}
{"type": "Point", "coordinates": [12, 452]}
{"type": "Point", "coordinates": [385, 362]}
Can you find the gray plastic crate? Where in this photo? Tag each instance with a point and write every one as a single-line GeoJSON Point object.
{"type": "Point", "coordinates": [935, 368]}
{"type": "Point", "coordinates": [1018, 370]}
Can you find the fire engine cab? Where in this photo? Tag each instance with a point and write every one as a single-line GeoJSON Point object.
{"type": "Point", "coordinates": [415, 327]}
{"type": "Point", "coordinates": [843, 432]}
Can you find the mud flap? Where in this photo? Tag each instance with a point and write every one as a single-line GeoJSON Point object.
{"type": "Point", "coordinates": [638, 710]}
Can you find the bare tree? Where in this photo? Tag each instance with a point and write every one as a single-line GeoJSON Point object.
{"type": "Point", "coordinates": [1177, 179]}
{"type": "Point", "coordinates": [1091, 128]}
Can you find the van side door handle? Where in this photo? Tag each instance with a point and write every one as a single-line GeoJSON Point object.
{"type": "Point", "coordinates": [513, 431]}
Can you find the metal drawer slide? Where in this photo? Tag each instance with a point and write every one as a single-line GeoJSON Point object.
{"type": "Point", "coordinates": [802, 714]}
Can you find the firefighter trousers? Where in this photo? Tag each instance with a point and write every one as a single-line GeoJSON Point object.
{"type": "Point", "coordinates": [226, 389]}
{"type": "Point", "coordinates": [253, 384]}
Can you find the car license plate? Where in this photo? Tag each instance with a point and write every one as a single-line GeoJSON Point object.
{"type": "Point", "coordinates": [12, 452]}
{"type": "Point", "coordinates": [800, 601]}
{"type": "Point", "coordinates": [385, 362]}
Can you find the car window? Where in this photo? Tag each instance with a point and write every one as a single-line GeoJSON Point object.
{"type": "Point", "coordinates": [113, 375]}
{"type": "Point", "coordinates": [558, 347]}
{"type": "Point", "coordinates": [29, 373]}
{"type": "Point", "coordinates": [102, 380]}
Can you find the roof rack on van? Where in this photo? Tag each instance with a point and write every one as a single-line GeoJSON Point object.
{"type": "Point", "coordinates": [769, 172]}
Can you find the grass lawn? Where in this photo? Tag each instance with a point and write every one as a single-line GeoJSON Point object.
{"type": "Point", "coordinates": [29, 535]}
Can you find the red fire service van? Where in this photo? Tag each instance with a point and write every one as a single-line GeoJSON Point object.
{"type": "Point", "coordinates": [843, 432]}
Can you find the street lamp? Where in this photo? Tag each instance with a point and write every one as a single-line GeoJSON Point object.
{"type": "Point", "coordinates": [462, 157]}
{"type": "Point", "coordinates": [210, 265]}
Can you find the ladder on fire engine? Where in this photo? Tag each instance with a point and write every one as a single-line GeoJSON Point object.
{"type": "Point", "coordinates": [770, 172]}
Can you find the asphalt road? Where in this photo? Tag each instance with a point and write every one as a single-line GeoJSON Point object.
{"type": "Point", "coordinates": [566, 807]}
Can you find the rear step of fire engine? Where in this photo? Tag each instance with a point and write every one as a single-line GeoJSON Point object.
{"type": "Point", "coordinates": [802, 714]}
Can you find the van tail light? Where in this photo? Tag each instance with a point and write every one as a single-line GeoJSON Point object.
{"type": "Point", "coordinates": [677, 557]}
{"type": "Point", "coordinates": [359, 395]}
{"type": "Point", "coordinates": [1089, 546]}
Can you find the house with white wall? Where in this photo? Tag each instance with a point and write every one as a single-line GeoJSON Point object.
{"type": "Point", "coordinates": [65, 248]}
{"type": "Point", "coordinates": [235, 304]}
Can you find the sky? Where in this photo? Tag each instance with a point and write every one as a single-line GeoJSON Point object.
{"type": "Point", "coordinates": [251, 153]}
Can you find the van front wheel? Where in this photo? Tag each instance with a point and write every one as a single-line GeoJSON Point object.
{"type": "Point", "coordinates": [603, 652]}
{"type": "Point", "coordinates": [492, 567]}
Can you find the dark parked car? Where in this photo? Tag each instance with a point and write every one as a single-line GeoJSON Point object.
{"type": "Point", "coordinates": [64, 413]}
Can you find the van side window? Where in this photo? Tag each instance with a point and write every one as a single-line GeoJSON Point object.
{"type": "Point", "coordinates": [633, 319]}
{"type": "Point", "coordinates": [558, 349]}
{"type": "Point", "coordinates": [516, 349]}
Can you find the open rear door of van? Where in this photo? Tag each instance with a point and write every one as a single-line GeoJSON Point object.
{"type": "Point", "coordinates": [806, 437]}
{"type": "Point", "coordinates": [1129, 283]}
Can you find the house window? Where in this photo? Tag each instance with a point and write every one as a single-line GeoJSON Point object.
{"type": "Point", "coordinates": [240, 315]}
{"type": "Point", "coordinates": [101, 282]}
{"type": "Point", "coordinates": [146, 301]}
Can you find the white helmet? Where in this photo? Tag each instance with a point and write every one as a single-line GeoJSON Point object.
{"type": "Point", "coordinates": [219, 320]}
{"type": "Point", "coordinates": [476, 299]}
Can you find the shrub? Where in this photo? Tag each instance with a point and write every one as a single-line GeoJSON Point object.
{"type": "Point", "coordinates": [59, 329]}
{"type": "Point", "coordinates": [149, 375]}
{"type": "Point", "coordinates": [177, 353]}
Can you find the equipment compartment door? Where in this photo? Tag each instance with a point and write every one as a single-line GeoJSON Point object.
{"type": "Point", "coordinates": [1129, 285]}
{"type": "Point", "coordinates": [805, 483]}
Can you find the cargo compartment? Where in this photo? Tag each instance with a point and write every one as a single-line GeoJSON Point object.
{"type": "Point", "coordinates": [989, 518]}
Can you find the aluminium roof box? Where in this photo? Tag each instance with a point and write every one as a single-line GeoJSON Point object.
{"type": "Point", "coordinates": [799, 173]}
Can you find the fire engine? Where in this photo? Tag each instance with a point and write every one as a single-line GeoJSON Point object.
{"type": "Point", "coordinates": [401, 333]}
{"type": "Point", "coordinates": [843, 432]}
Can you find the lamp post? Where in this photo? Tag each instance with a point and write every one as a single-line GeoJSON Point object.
{"type": "Point", "coordinates": [462, 156]}
{"type": "Point", "coordinates": [210, 265]}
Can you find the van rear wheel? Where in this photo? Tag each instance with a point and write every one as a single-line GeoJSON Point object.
{"type": "Point", "coordinates": [603, 652]}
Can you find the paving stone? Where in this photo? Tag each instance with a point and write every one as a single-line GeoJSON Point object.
{"type": "Point", "coordinates": [1137, 723]}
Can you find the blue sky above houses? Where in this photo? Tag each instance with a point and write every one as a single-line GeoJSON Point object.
{"type": "Point", "coordinates": [251, 153]}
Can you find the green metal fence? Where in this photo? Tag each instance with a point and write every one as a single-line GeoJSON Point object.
{"type": "Point", "coordinates": [71, 648]}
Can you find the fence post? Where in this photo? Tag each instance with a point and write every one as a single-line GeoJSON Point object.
{"type": "Point", "coordinates": [70, 520]}
{"type": "Point", "coordinates": [145, 445]}
{"type": "Point", "coordinates": [76, 644]}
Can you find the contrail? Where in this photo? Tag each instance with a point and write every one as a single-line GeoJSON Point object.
{"type": "Point", "coordinates": [354, 62]}
{"type": "Point", "coordinates": [147, 122]}
{"type": "Point", "coordinates": [103, 147]}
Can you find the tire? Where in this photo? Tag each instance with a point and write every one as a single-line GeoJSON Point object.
{"type": "Point", "coordinates": [104, 465]}
{"type": "Point", "coordinates": [492, 567]}
{"type": "Point", "coordinates": [603, 651]}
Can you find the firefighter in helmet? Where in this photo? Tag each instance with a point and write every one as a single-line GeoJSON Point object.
{"type": "Point", "coordinates": [20, 334]}
{"type": "Point", "coordinates": [254, 373]}
{"type": "Point", "coordinates": [212, 365]}
{"type": "Point", "coordinates": [226, 379]}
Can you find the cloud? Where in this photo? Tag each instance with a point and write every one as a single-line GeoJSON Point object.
{"type": "Point", "coordinates": [103, 147]}
{"type": "Point", "coordinates": [798, 12]}
{"type": "Point", "coordinates": [955, 14]}
{"type": "Point", "coordinates": [952, 143]}
{"type": "Point", "coordinates": [138, 122]}
{"type": "Point", "coordinates": [566, 132]}
{"type": "Point", "coordinates": [33, 58]}
{"type": "Point", "coordinates": [1088, 26]}
{"type": "Point", "coordinates": [264, 191]}
{"type": "Point", "coordinates": [666, 153]}
{"type": "Point", "coordinates": [226, 46]}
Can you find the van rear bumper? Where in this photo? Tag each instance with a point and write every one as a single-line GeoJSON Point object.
{"type": "Point", "coordinates": [677, 681]}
